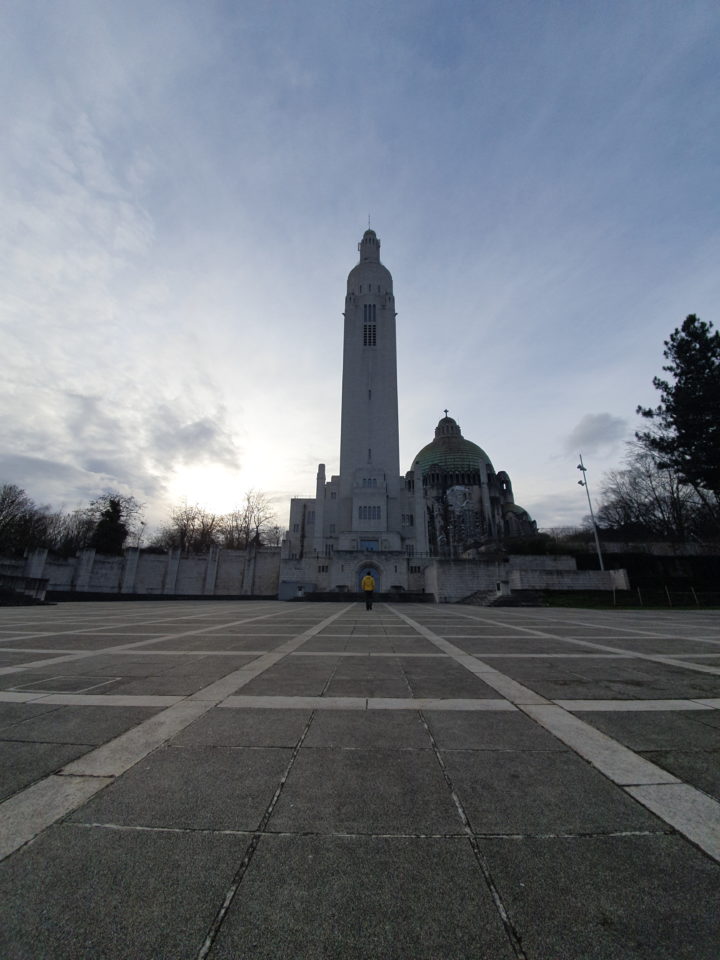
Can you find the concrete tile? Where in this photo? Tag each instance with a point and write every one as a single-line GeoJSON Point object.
{"type": "Point", "coordinates": [297, 687]}
{"type": "Point", "coordinates": [91, 725]}
{"type": "Point", "coordinates": [23, 763]}
{"type": "Point", "coordinates": [603, 898]}
{"type": "Point", "coordinates": [692, 686]}
{"type": "Point", "coordinates": [489, 731]}
{"type": "Point", "coordinates": [245, 728]}
{"type": "Point", "coordinates": [700, 767]}
{"type": "Point", "coordinates": [363, 791]}
{"type": "Point", "coordinates": [465, 686]}
{"type": "Point", "coordinates": [219, 788]}
{"type": "Point", "coordinates": [710, 717]}
{"type": "Point", "coordinates": [400, 730]}
{"type": "Point", "coordinates": [379, 668]}
{"type": "Point", "coordinates": [13, 713]}
{"type": "Point", "coordinates": [363, 898]}
{"type": "Point", "coordinates": [170, 685]}
{"type": "Point", "coordinates": [84, 894]}
{"type": "Point", "coordinates": [529, 793]}
{"type": "Point", "coordinates": [657, 730]}
{"type": "Point", "coordinates": [367, 687]}
{"type": "Point", "coordinates": [56, 682]}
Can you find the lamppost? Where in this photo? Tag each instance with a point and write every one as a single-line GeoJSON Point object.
{"type": "Point", "coordinates": [584, 483]}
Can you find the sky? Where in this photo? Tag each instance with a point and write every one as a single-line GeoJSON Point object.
{"type": "Point", "coordinates": [184, 185]}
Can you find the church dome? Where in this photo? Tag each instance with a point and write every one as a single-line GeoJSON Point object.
{"type": "Point", "coordinates": [451, 451]}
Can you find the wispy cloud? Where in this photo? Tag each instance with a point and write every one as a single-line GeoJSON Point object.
{"type": "Point", "coordinates": [596, 433]}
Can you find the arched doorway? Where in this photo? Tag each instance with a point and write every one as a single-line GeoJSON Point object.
{"type": "Point", "coordinates": [375, 573]}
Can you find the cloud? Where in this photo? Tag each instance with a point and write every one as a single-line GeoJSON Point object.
{"type": "Point", "coordinates": [597, 433]}
{"type": "Point", "coordinates": [176, 439]}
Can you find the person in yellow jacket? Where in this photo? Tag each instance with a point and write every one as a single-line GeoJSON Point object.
{"type": "Point", "coordinates": [367, 585]}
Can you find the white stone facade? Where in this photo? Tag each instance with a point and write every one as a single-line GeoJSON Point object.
{"type": "Point", "coordinates": [369, 517]}
{"type": "Point", "coordinates": [358, 520]}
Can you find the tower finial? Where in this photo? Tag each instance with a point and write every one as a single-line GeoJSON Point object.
{"type": "Point", "coordinates": [446, 413]}
{"type": "Point", "coordinates": [368, 221]}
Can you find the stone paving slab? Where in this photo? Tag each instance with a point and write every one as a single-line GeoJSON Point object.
{"type": "Point", "coordinates": [311, 780]}
{"type": "Point", "coordinates": [401, 730]}
{"type": "Point", "coordinates": [489, 731]}
{"type": "Point", "coordinates": [366, 791]}
{"type": "Point", "coordinates": [700, 768]}
{"type": "Point", "coordinates": [13, 713]}
{"type": "Point", "coordinates": [91, 725]}
{"type": "Point", "coordinates": [23, 763]}
{"type": "Point", "coordinates": [246, 728]}
{"type": "Point", "coordinates": [601, 898]}
{"type": "Point", "coordinates": [365, 898]}
{"type": "Point", "coordinates": [512, 792]}
{"type": "Point", "coordinates": [193, 788]}
{"type": "Point", "coordinates": [657, 730]}
{"type": "Point", "coordinates": [84, 894]}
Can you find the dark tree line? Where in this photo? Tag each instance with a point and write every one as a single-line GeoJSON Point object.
{"type": "Point", "coordinates": [106, 524]}
{"type": "Point", "coordinates": [113, 521]}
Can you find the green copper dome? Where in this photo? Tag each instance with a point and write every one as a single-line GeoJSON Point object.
{"type": "Point", "coordinates": [451, 451]}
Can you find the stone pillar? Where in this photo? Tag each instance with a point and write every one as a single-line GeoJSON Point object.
{"type": "Point", "coordinates": [212, 568]}
{"type": "Point", "coordinates": [248, 581]}
{"type": "Point", "coordinates": [35, 562]}
{"type": "Point", "coordinates": [129, 574]}
{"type": "Point", "coordinates": [320, 511]}
{"type": "Point", "coordinates": [485, 495]}
{"type": "Point", "coordinates": [421, 534]}
{"type": "Point", "coordinates": [83, 570]}
{"type": "Point", "coordinates": [171, 571]}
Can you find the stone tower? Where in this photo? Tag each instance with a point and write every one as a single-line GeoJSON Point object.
{"type": "Point", "coordinates": [369, 447]}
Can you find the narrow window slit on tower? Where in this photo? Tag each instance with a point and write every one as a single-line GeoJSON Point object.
{"type": "Point", "coordinates": [369, 335]}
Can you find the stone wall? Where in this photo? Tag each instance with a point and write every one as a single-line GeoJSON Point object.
{"type": "Point", "coordinates": [454, 580]}
{"type": "Point", "coordinates": [248, 573]}
{"type": "Point", "coordinates": [568, 580]}
{"type": "Point", "coordinates": [137, 572]}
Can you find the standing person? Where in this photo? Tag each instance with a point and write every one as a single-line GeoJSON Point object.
{"type": "Point", "coordinates": [368, 585]}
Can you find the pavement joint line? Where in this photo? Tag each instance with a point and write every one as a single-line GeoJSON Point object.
{"type": "Point", "coordinates": [119, 648]}
{"type": "Point", "coordinates": [617, 762]}
{"type": "Point", "coordinates": [100, 766]}
{"type": "Point", "coordinates": [101, 700]}
{"type": "Point", "coordinates": [481, 860]}
{"type": "Point", "coordinates": [688, 810]}
{"type": "Point", "coordinates": [653, 658]}
{"type": "Point", "coordinates": [96, 630]}
{"type": "Point", "coordinates": [626, 706]}
{"type": "Point", "coordinates": [359, 835]}
{"type": "Point", "coordinates": [684, 809]}
{"type": "Point", "coordinates": [24, 815]}
{"type": "Point", "coordinates": [653, 634]}
{"type": "Point", "coordinates": [239, 875]}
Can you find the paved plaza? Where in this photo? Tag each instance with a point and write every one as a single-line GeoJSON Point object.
{"type": "Point", "coordinates": [298, 780]}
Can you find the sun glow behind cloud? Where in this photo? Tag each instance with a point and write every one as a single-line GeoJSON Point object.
{"type": "Point", "coordinates": [216, 488]}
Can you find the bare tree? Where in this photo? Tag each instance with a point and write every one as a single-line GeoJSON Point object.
{"type": "Point", "coordinates": [23, 524]}
{"type": "Point", "coordinates": [253, 522]}
{"type": "Point", "coordinates": [646, 499]}
{"type": "Point", "coordinates": [190, 528]}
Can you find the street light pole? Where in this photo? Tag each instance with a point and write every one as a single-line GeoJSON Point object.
{"type": "Point", "coordinates": [583, 483]}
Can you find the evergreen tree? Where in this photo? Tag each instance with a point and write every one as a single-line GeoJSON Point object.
{"type": "Point", "coordinates": [686, 437]}
{"type": "Point", "coordinates": [110, 532]}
